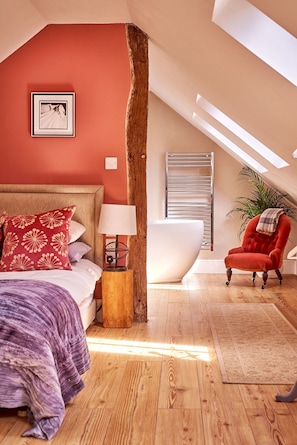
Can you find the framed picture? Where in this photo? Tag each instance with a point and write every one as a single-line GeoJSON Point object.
{"type": "Point", "coordinates": [53, 114]}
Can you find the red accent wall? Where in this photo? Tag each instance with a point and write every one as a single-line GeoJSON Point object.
{"type": "Point", "coordinates": [92, 61]}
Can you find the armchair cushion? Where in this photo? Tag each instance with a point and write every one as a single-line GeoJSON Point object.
{"type": "Point", "coordinates": [254, 262]}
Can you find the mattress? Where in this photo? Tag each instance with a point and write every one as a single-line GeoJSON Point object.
{"type": "Point", "coordinates": [80, 281]}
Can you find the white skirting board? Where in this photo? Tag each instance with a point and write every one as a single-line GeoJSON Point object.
{"type": "Point", "coordinates": [218, 267]}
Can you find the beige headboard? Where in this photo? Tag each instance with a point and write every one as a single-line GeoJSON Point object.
{"type": "Point", "coordinates": [26, 199]}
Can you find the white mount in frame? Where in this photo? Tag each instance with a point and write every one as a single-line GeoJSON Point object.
{"type": "Point", "coordinates": [52, 114]}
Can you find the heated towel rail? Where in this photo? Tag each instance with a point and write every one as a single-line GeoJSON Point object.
{"type": "Point", "coordinates": [189, 190]}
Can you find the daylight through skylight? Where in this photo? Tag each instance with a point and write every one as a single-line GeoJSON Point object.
{"type": "Point", "coordinates": [229, 145]}
{"type": "Point", "coordinates": [246, 137]}
{"type": "Point", "coordinates": [259, 34]}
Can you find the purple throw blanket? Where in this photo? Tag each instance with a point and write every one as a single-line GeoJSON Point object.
{"type": "Point", "coordinates": [43, 344]}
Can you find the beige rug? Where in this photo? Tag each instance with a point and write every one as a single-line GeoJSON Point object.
{"type": "Point", "coordinates": [255, 343]}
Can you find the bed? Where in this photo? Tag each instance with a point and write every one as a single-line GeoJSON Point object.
{"type": "Point", "coordinates": [45, 310]}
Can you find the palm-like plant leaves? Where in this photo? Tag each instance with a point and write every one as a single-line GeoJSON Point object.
{"type": "Point", "coordinates": [262, 197]}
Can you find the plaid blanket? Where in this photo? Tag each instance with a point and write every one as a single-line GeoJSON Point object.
{"type": "Point", "coordinates": [268, 221]}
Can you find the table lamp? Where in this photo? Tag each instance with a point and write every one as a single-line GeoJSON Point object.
{"type": "Point", "coordinates": [117, 219]}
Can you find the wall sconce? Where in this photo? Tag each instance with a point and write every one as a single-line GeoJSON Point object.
{"type": "Point", "coordinates": [117, 219]}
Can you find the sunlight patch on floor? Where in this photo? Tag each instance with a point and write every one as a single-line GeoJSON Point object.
{"type": "Point", "coordinates": [148, 349]}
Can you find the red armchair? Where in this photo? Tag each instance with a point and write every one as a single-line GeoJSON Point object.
{"type": "Point", "coordinates": [258, 252]}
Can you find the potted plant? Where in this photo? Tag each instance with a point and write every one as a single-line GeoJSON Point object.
{"type": "Point", "coordinates": [262, 197]}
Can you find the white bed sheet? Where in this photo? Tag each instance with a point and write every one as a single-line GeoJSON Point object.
{"type": "Point", "coordinates": [80, 281]}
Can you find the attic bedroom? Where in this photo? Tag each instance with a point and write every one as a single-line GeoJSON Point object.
{"type": "Point", "coordinates": [208, 92]}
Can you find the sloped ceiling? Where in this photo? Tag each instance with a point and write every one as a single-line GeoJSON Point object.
{"type": "Point", "coordinates": [188, 55]}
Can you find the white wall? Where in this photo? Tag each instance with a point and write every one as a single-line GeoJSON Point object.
{"type": "Point", "coordinates": [167, 131]}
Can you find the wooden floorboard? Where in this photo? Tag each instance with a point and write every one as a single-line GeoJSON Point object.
{"type": "Point", "coordinates": [159, 383]}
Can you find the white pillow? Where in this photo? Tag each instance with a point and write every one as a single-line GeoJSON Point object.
{"type": "Point", "coordinates": [77, 250]}
{"type": "Point", "coordinates": [75, 231]}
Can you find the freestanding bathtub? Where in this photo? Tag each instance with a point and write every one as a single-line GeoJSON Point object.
{"type": "Point", "coordinates": [172, 248]}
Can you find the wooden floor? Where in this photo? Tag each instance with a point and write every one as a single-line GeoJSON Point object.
{"type": "Point", "coordinates": [158, 383]}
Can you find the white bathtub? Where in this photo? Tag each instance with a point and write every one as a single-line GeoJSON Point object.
{"type": "Point", "coordinates": [173, 245]}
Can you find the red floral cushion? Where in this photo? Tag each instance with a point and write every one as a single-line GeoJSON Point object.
{"type": "Point", "coordinates": [35, 242]}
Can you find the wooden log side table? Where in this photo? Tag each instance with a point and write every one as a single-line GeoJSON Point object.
{"type": "Point", "coordinates": [117, 299]}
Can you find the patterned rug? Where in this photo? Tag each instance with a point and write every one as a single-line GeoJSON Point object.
{"type": "Point", "coordinates": [255, 343]}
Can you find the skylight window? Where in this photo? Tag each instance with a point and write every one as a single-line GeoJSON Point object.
{"type": "Point", "coordinates": [229, 145]}
{"type": "Point", "coordinates": [246, 137]}
{"type": "Point", "coordinates": [259, 34]}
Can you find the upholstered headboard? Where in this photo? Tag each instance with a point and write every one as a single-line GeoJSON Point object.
{"type": "Point", "coordinates": [27, 199]}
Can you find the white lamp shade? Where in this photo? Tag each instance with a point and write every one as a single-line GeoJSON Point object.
{"type": "Point", "coordinates": [117, 219]}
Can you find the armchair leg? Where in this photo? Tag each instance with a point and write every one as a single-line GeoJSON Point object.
{"type": "Point", "coordinates": [279, 275]}
{"type": "Point", "coordinates": [254, 276]}
{"type": "Point", "coordinates": [265, 276]}
{"type": "Point", "coordinates": [229, 274]}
